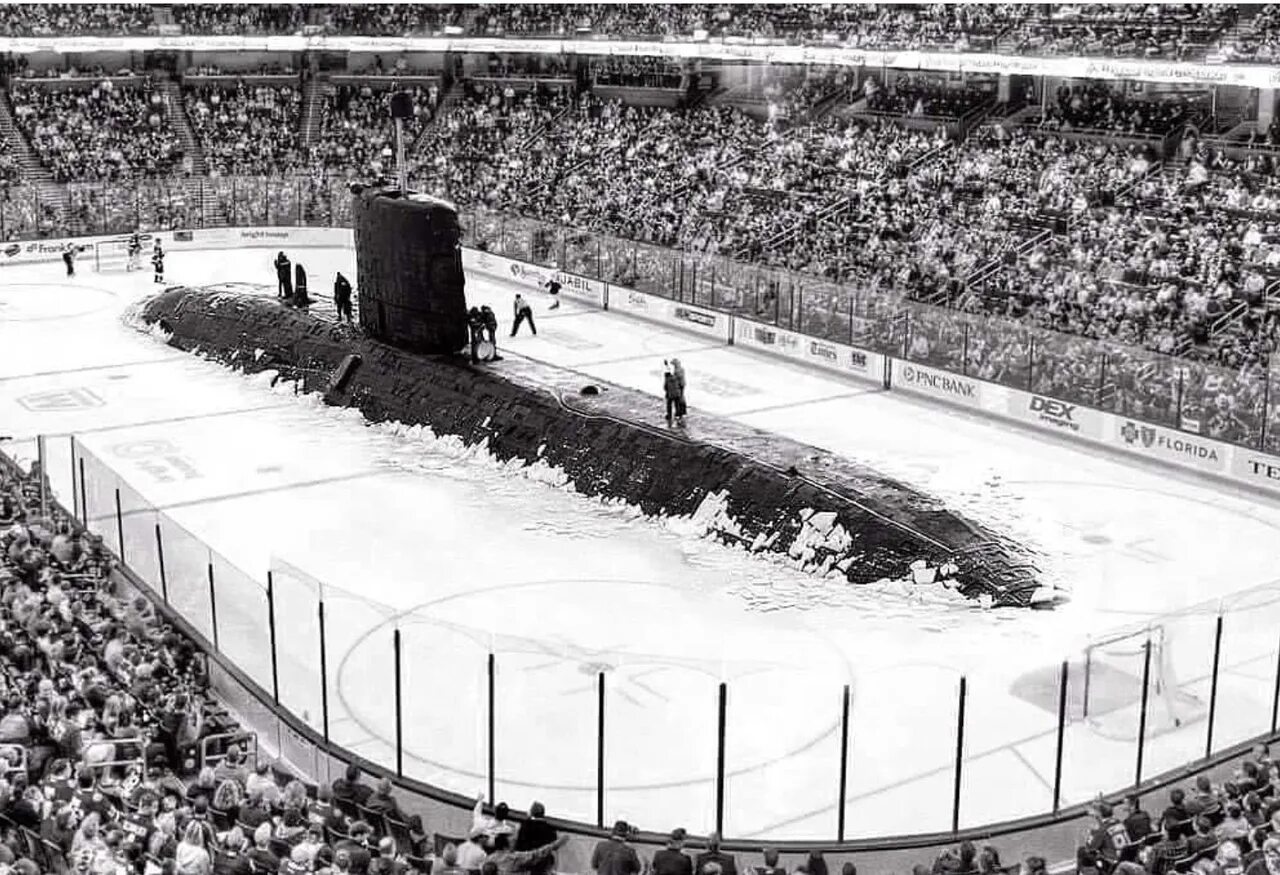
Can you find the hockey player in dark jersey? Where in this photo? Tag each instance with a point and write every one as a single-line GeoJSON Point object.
{"type": "Point", "coordinates": [157, 261]}
{"type": "Point", "coordinates": [553, 286]}
{"type": "Point", "coordinates": [135, 252]}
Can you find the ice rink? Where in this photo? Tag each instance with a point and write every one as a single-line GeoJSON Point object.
{"type": "Point", "coordinates": [467, 557]}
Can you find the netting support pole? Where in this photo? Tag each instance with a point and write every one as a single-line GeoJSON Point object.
{"type": "Point", "coordinates": [213, 606]}
{"type": "Point", "coordinates": [1062, 734]}
{"type": "Point", "coordinates": [120, 530]}
{"type": "Point", "coordinates": [844, 763]}
{"type": "Point", "coordinates": [492, 724]}
{"type": "Point", "coordinates": [164, 578]}
{"type": "Point", "coordinates": [1088, 670]}
{"type": "Point", "coordinates": [1275, 695]}
{"type": "Point", "coordinates": [41, 455]}
{"type": "Point", "coordinates": [1213, 687]}
{"type": "Point", "coordinates": [395, 646]}
{"type": "Point", "coordinates": [84, 500]}
{"type": "Point", "coordinates": [324, 676]}
{"type": "Point", "coordinates": [955, 802]}
{"type": "Point", "coordinates": [1142, 713]}
{"type": "Point", "coordinates": [722, 713]}
{"type": "Point", "coordinates": [271, 627]}
{"type": "Point", "coordinates": [600, 749]}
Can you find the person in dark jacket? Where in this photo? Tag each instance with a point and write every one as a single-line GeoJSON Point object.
{"type": "Point", "coordinates": [490, 319]}
{"type": "Point", "coordinates": [671, 391]}
{"type": "Point", "coordinates": [284, 276]}
{"type": "Point", "coordinates": [300, 298]}
{"type": "Point", "coordinates": [536, 833]}
{"type": "Point", "coordinates": [672, 860]}
{"type": "Point", "coordinates": [614, 855]}
{"type": "Point", "coordinates": [728, 866]}
{"type": "Point", "coordinates": [342, 298]}
{"type": "Point", "coordinates": [475, 329]}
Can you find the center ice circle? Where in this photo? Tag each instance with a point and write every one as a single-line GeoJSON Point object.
{"type": "Point", "coordinates": [662, 654]}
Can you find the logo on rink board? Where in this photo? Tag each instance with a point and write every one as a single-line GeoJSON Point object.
{"type": "Point", "coordinates": [1166, 442]}
{"type": "Point", "coordinates": [938, 383]}
{"type": "Point", "coordinates": [697, 317]}
{"type": "Point", "coordinates": [61, 400]}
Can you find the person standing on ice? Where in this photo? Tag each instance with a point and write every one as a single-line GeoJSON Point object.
{"type": "Point", "coordinates": [300, 286]}
{"type": "Point", "coordinates": [681, 407]}
{"type": "Point", "coordinates": [670, 391]}
{"type": "Point", "coordinates": [342, 298]}
{"type": "Point", "coordinates": [553, 286]}
{"type": "Point", "coordinates": [490, 320]}
{"type": "Point", "coordinates": [69, 258]}
{"type": "Point", "coordinates": [523, 312]}
{"type": "Point", "coordinates": [284, 276]}
{"type": "Point", "coordinates": [157, 262]}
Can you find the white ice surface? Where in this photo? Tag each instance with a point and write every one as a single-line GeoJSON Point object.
{"type": "Point", "coordinates": [560, 586]}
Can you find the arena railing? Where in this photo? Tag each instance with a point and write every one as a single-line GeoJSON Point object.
{"type": "Point", "coordinates": [325, 675]}
{"type": "Point", "coordinates": [1238, 406]}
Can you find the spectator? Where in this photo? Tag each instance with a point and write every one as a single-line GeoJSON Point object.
{"type": "Point", "coordinates": [614, 855]}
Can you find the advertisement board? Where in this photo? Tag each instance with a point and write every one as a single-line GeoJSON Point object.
{"type": "Point", "coordinates": [920, 380]}
{"type": "Point", "coordinates": [685, 316]}
{"type": "Point", "coordinates": [1069, 419]}
{"type": "Point", "coordinates": [1168, 445]}
{"type": "Point", "coordinates": [1255, 469]}
{"type": "Point", "coordinates": [534, 277]}
{"type": "Point", "coordinates": [837, 357]}
{"type": "Point", "coordinates": [259, 238]}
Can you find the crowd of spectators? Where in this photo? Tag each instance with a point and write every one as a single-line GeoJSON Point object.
{"type": "Point", "coordinates": [238, 19]}
{"type": "Point", "coordinates": [357, 135]}
{"type": "Point", "coordinates": [391, 19]}
{"type": "Point", "coordinates": [110, 131]}
{"type": "Point", "coordinates": [1231, 32]}
{"type": "Point", "coordinates": [637, 72]}
{"type": "Point", "coordinates": [74, 19]}
{"type": "Point", "coordinates": [922, 96]}
{"type": "Point", "coordinates": [1172, 31]}
{"type": "Point", "coordinates": [10, 170]}
{"type": "Point", "coordinates": [249, 130]}
{"type": "Point", "coordinates": [1102, 106]}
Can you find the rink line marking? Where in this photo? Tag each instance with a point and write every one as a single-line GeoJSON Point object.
{"type": "Point", "coordinates": [1031, 768]}
{"type": "Point", "coordinates": [843, 396]}
{"type": "Point", "coordinates": [87, 368]}
{"type": "Point", "coordinates": [142, 423]}
{"type": "Point", "coordinates": [284, 487]}
{"type": "Point", "coordinates": [644, 355]}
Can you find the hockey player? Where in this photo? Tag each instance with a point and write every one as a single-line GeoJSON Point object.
{"type": "Point", "coordinates": [157, 261]}
{"type": "Point", "coordinates": [135, 252]}
{"type": "Point", "coordinates": [342, 298]}
{"type": "Point", "coordinates": [523, 312]}
{"type": "Point", "coordinates": [69, 258]}
{"type": "Point", "coordinates": [554, 288]}
{"type": "Point", "coordinates": [284, 276]}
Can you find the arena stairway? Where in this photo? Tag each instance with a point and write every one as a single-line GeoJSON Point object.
{"type": "Point", "coordinates": [312, 96]}
{"type": "Point", "coordinates": [52, 196]}
{"type": "Point", "coordinates": [171, 91]}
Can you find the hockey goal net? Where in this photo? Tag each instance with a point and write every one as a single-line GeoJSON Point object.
{"type": "Point", "coordinates": [111, 255]}
{"type": "Point", "coordinates": [1115, 668]}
